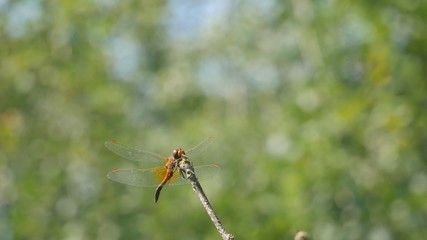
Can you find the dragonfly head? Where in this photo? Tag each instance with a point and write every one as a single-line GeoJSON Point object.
{"type": "Point", "coordinates": [177, 153]}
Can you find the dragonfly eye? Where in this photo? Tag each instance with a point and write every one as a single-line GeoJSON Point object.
{"type": "Point", "coordinates": [177, 153]}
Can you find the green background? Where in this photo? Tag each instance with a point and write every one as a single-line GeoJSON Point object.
{"type": "Point", "coordinates": [318, 110]}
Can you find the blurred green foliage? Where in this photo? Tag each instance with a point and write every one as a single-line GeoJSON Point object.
{"type": "Point", "coordinates": [318, 109]}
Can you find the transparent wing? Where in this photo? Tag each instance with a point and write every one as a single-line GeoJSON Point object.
{"type": "Point", "coordinates": [137, 155]}
{"type": "Point", "coordinates": [152, 177]}
{"type": "Point", "coordinates": [133, 154]}
{"type": "Point", "coordinates": [199, 148]}
{"type": "Point", "coordinates": [205, 172]}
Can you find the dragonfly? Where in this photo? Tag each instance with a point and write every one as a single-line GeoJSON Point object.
{"type": "Point", "coordinates": [158, 176]}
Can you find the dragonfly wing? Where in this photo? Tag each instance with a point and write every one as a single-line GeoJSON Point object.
{"type": "Point", "coordinates": [199, 148]}
{"type": "Point", "coordinates": [208, 171]}
{"type": "Point", "coordinates": [150, 177]}
{"type": "Point", "coordinates": [203, 172]}
{"type": "Point", "coordinates": [131, 153]}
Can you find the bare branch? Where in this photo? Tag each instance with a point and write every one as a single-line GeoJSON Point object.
{"type": "Point", "coordinates": [187, 171]}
